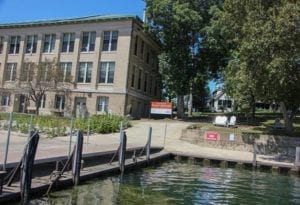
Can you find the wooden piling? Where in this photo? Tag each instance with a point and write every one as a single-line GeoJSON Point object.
{"type": "Point", "coordinates": [77, 158]}
{"type": "Point", "coordinates": [148, 146]}
{"type": "Point", "coordinates": [122, 151]}
{"type": "Point", "coordinates": [27, 165]}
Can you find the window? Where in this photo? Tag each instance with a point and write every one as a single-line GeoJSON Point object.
{"type": "Point", "coordinates": [107, 71]}
{"type": "Point", "coordinates": [1, 44]}
{"type": "Point", "coordinates": [31, 42]}
{"type": "Point", "coordinates": [102, 104]}
{"type": "Point", "coordinates": [42, 102]}
{"type": "Point", "coordinates": [5, 100]}
{"type": "Point", "coordinates": [49, 43]}
{"type": "Point", "coordinates": [66, 68]}
{"type": "Point", "coordinates": [110, 41]}
{"type": "Point", "coordinates": [59, 102]}
{"type": "Point", "coordinates": [136, 45]}
{"type": "Point", "coordinates": [10, 72]}
{"type": "Point", "coordinates": [85, 72]}
{"type": "Point", "coordinates": [145, 82]}
{"type": "Point", "coordinates": [14, 44]}
{"type": "Point", "coordinates": [26, 72]}
{"type": "Point", "coordinates": [68, 42]}
{"type": "Point", "coordinates": [133, 76]}
{"type": "Point", "coordinates": [88, 41]}
{"type": "Point", "coordinates": [151, 83]}
{"type": "Point", "coordinates": [142, 49]}
{"type": "Point", "coordinates": [140, 79]}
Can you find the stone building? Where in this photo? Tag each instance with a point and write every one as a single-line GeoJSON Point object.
{"type": "Point", "coordinates": [111, 61]}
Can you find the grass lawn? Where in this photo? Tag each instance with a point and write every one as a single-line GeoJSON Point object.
{"type": "Point", "coordinates": [264, 124]}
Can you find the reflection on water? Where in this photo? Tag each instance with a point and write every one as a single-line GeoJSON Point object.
{"type": "Point", "coordinates": [177, 183]}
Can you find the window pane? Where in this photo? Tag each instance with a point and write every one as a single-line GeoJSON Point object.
{"type": "Point", "coordinates": [111, 72]}
{"type": "Point", "coordinates": [1, 44]}
{"type": "Point", "coordinates": [92, 41]}
{"type": "Point", "coordinates": [81, 71]}
{"type": "Point", "coordinates": [52, 43]}
{"type": "Point", "coordinates": [114, 41]}
{"type": "Point", "coordinates": [103, 72]}
{"type": "Point", "coordinates": [85, 40]}
{"type": "Point", "coordinates": [106, 41]}
{"type": "Point", "coordinates": [89, 73]}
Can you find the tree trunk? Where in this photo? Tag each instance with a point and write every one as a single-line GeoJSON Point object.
{"type": "Point", "coordinates": [180, 106]}
{"type": "Point", "coordinates": [287, 120]}
{"type": "Point", "coordinates": [190, 105]}
{"type": "Point", "coordinates": [37, 109]}
{"type": "Point", "coordinates": [252, 109]}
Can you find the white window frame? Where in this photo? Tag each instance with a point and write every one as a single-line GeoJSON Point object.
{"type": "Point", "coordinates": [88, 49]}
{"type": "Point", "coordinates": [86, 70]}
{"type": "Point", "coordinates": [16, 41]}
{"type": "Point", "coordinates": [71, 36]}
{"type": "Point", "coordinates": [5, 100]}
{"type": "Point", "coordinates": [13, 71]}
{"type": "Point", "coordinates": [108, 66]}
{"type": "Point", "coordinates": [66, 68]}
{"type": "Point", "coordinates": [32, 40]}
{"type": "Point", "coordinates": [62, 101]}
{"type": "Point", "coordinates": [110, 40]}
{"type": "Point", "coordinates": [51, 45]}
{"type": "Point", "coordinates": [102, 103]}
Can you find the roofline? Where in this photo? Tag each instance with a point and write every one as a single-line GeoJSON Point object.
{"type": "Point", "coordinates": [87, 19]}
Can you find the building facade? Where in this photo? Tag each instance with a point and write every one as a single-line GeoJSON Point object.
{"type": "Point", "coordinates": [110, 62]}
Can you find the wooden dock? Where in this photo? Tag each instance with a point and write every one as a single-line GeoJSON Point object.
{"type": "Point", "coordinates": [41, 184]}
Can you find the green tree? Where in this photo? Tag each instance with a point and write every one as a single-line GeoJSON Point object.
{"type": "Point", "coordinates": [260, 40]}
{"type": "Point", "coordinates": [178, 24]}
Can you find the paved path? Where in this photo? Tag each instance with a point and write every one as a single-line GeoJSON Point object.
{"type": "Point", "coordinates": [165, 133]}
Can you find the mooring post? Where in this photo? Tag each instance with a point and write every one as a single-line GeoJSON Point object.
{"type": "Point", "coordinates": [122, 150]}
{"type": "Point", "coordinates": [148, 146]}
{"type": "Point", "coordinates": [77, 158]}
{"type": "Point", "coordinates": [254, 161]}
{"type": "Point", "coordinates": [27, 165]}
{"type": "Point", "coordinates": [297, 158]}
{"type": "Point", "coordinates": [7, 139]}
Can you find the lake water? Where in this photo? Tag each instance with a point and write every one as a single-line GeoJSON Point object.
{"type": "Point", "coordinates": [181, 183]}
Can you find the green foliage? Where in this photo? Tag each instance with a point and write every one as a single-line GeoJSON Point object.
{"type": "Point", "coordinates": [102, 123]}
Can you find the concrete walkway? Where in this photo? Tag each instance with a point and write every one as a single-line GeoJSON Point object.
{"type": "Point", "coordinates": [165, 133]}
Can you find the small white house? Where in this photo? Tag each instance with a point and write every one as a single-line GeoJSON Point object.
{"type": "Point", "coordinates": [220, 101]}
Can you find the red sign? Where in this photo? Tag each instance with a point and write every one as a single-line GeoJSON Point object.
{"type": "Point", "coordinates": [164, 108]}
{"type": "Point", "coordinates": [211, 136]}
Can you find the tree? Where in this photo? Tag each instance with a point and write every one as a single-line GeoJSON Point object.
{"type": "Point", "coordinates": [177, 24]}
{"type": "Point", "coordinates": [261, 43]}
{"type": "Point", "coordinates": [38, 79]}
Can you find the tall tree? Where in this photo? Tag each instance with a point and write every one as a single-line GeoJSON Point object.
{"type": "Point", "coordinates": [261, 40]}
{"type": "Point", "coordinates": [177, 24]}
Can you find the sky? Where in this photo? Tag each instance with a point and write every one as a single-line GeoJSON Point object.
{"type": "Point", "coordinates": [12, 11]}
{"type": "Point", "coordinates": [32, 10]}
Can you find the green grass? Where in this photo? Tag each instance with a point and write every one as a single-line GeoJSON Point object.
{"type": "Point", "coordinates": [264, 123]}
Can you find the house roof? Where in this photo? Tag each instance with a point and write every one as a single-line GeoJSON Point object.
{"type": "Point", "coordinates": [87, 19]}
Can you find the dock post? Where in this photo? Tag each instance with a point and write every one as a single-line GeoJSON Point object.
{"type": "Point", "coordinates": [122, 150]}
{"type": "Point", "coordinates": [7, 139]}
{"type": "Point", "coordinates": [148, 146]}
{"type": "Point", "coordinates": [27, 165]}
{"type": "Point", "coordinates": [254, 161]}
{"type": "Point", "coordinates": [77, 158]}
{"type": "Point", "coordinates": [297, 158]}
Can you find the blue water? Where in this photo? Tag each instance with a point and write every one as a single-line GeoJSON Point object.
{"type": "Point", "coordinates": [180, 183]}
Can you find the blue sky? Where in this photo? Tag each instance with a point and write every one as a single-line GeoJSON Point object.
{"type": "Point", "coordinates": [27, 10]}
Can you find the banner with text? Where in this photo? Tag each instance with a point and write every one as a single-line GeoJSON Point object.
{"type": "Point", "coordinates": [162, 108]}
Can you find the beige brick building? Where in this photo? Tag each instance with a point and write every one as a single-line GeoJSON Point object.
{"type": "Point", "coordinates": [111, 60]}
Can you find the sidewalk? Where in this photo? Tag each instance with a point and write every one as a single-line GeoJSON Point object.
{"type": "Point", "coordinates": [165, 133]}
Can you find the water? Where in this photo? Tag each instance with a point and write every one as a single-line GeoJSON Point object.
{"type": "Point", "coordinates": [179, 183]}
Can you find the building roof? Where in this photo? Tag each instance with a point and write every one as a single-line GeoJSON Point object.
{"type": "Point", "coordinates": [87, 19]}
